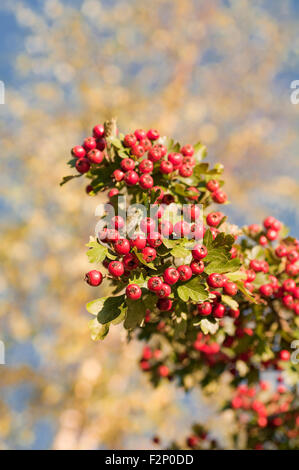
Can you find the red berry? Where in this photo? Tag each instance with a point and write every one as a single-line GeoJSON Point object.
{"type": "Point", "coordinates": [296, 293]}
{"type": "Point", "coordinates": [219, 196]}
{"type": "Point", "coordinates": [230, 288]}
{"type": "Point", "coordinates": [163, 371]}
{"type": "Point", "coordinates": [146, 181]}
{"type": "Point", "coordinates": [166, 228]}
{"type": "Point", "coordinates": [263, 240]}
{"type": "Point", "coordinates": [189, 161]}
{"type": "Point", "coordinates": [138, 150]}
{"type": "Point", "coordinates": [101, 144]}
{"type": "Point", "coordinates": [122, 246]}
{"type": "Point", "coordinates": [284, 355]}
{"type": "Point", "coordinates": [166, 167]}
{"type": "Point", "coordinates": [266, 290]}
{"type": "Point", "coordinates": [140, 134]}
{"type": "Point", "coordinates": [281, 251]}
{"type": "Point", "coordinates": [269, 221]}
{"type": "Point", "coordinates": [154, 283]}
{"type": "Point", "coordinates": [192, 189]}
{"type": "Point", "coordinates": [162, 148]}
{"type": "Point", "coordinates": [159, 211]}
{"type": "Point", "coordinates": [117, 222]}
{"type": "Point", "coordinates": [116, 268]}
{"type": "Point", "coordinates": [214, 218]}
{"type": "Point", "coordinates": [164, 305]}
{"type": "Point", "coordinates": [127, 164]}
{"type": "Point", "coordinates": [199, 252]}
{"type": "Point", "coordinates": [185, 272]}
{"type": "Point", "coordinates": [234, 313]}
{"type": "Point", "coordinates": [289, 285]}
{"type": "Point", "coordinates": [271, 235]}
{"type": "Point", "coordinates": [133, 292]}
{"type": "Point", "coordinates": [164, 291]}
{"type": "Point", "coordinates": [146, 144]}
{"type": "Point", "coordinates": [131, 178]}
{"type": "Point", "coordinates": [113, 192]}
{"type": "Point", "coordinates": [276, 226]}
{"type": "Point", "coordinates": [186, 171]}
{"type": "Point", "coordinates": [254, 229]}
{"type": "Point", "coordinates": [154, 154]}
{"type": "Point", "coordinates": [181, 229]}
{"type": "Point", "coordinates": [94, 278]}
{"type": "Point", "coordinates": [149, 254]}
{"type": "Point", "coordinates": [176, 159]}
{"type": "Point", "coordinates": [218, 311]}
{"type": "Point", "coordinates": [293, 256]}
{"type": "Point", "coordinates": [292, 269]}
{"type": "Point", "coordinates": [82, 165]}
{"type": "Point", "coordinates": [187, 150]}
{"type": "Point", "coordinates": [216, 280]}
{"type": "Point", "coordinates": [153, 134]}
{"type": "Point", "coordinates": [171, 275]}
{"type": "Point", "coordinates": [118, 175]}
{"type": "Point", "coordinates": [98, 131]}
{"type": "Point", "coordinates": [154, 239]}
{"type": "Point", "coordinates": [288, 301]}
{"type": "Point", "coordinates": [146, 166]}
{"type": "Point", "coordinates": [250, 275]}
{"type": "Point", "coordinates": [148, 225]}
{"type": "Point", "coordinates": [130, 262]}
{"type": "Point", "coordinates": [95, 156]}
{"type": "Point", "coordinates": [89, 189]}
{"type": "Point", "coordinates": [192, 212]}
{"type": "Point", "coordinates": [130, 140]}
{"type": "Point", "coordinates": [78, 151]}
{"type": "Point", "coordinates": [256, 265]}
{"type": "Point", "coordinates": [138, 240]}
{"type": "Point", "coordinates": [90, 143]}
{"type": "Point", "coordinates": [168, 199]}
{"type": "Point", "coordinates": [192, 441]}
{"type": "Point", "coordinates": [197, 267]}
{"type": "Point", "coordinates": [213, 185]}
{"type": "Point", "coordinates": [205, 308]}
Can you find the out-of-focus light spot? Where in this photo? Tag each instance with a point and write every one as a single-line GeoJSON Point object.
{"type": "Point", "coordinates": [25, 16]}
{"type": "Point", "coordinates": [64, 72]}
{"type": "Point", "coordinates": [35, 44]}
{"type": "Point", "coordinates": [91, 8]}
{"type": "Point", "coordinates": [53, 8]}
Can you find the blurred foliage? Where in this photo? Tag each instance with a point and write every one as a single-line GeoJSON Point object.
{"type": "Point", "coordinates": [194, 69]}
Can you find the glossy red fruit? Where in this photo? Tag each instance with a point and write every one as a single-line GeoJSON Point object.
{"type": "Point", "coordinates": [113, 192]}
{"type": "Point", "coordinates": [90, 143]}
{"type": "Point", "coordinates": [162, 148]}
{"type": "Point", "coordinates": [130, 140]}
{"type": "Point", "coordinates": [292, 269]}
{"type": "Point", "coordinates": [192, 441]}
{"type": "Point", "coordinates": [176, 159]}
{"type": "Point", "coordinates": [199, 252]}
{"type": "Point", "coordinates": [289, 285]}
{"type": "Point", "coordinates": [263, 240]}
{"type": "Point", "coordinates": [131, 178]}
{"type": "Point", "coordinates": [127, 164]}
{"type": "Point", "coordinates": [98, 131]}
{"type": "Point", "coordinates": [214, 218]}
{"type": "Point", "coordinates": [166, 228]}
{"type": "Point", "coordinates": [288, 301]}
{"type": "Point", "coordinates": [101, 144]}
{"type": "Point", "coordinates": [116, 268]}
{"type": "Point", "coordinates": [154, 154]}
{"type": "Point", "coordinates": [171, 275]}
{"type": "Point", "coordinates": [89, 189]}
{"type": "Point", "coordinates": [94, 278]}
{"type": "Point", "coordinates": [133, 292]}
{"type": "Point", "coordinates": [122, 246]}
{"type": "Point", "coordinates": [154, 283]}
{"type": "Point", "coordinates": [250, 275]}
{"type": "Point", "coordinates": [181, 229]}
{"type": "Point", "coordinates": [266, 290]}
{"type": "Point", "coordinates": [230, 288]}
{"type": "Point", "coordinates": [269, 221]}
{"type": "Point", "coordinates": [138, 240]}
{"type": "Point", "coordinates": [164, 291]}
{"type": "Point", "coordinates": [256, 265]}
{"type": "Point", "coordinates": [140, 134]}
{"type": "Point", "coordinates": [166, 167]}
{"type": "Point", "coordinates": [187, 150]}
{"type": "Point", "coordinates": [146, 166]}
{"type": "Point", "coordinates": [78, 151]}
{"type": "Point", "coordinates": [146, 144]}
{"type": "Point", "coordinates": [146, 181]}
{"type": "Point", "coordinates": [204, 309]}
{"type": "Point", "coordinates": [149, 254]}
{"type": "Point", "coordinates": [82, 165]}
{"type": "Point", "coordinates": [284, 355]}
{"type": "Point", "coordinates": [219, 196]}
{"type": "Point", "coordinates": [186, 171]}
{"type": "Point", "coordinates": [117, 222]}
{"type": "Point", "coordinates": [192, 212]}
{"type": "Point", "coordinates": [164, 305]}
{"type": "Point", "coordinates": [216, 280]}
{"type": "Point", "coordinates": [234, 313]}
{"type": "Point", "coordinates": [148, 225]}
{"type": "Point", "coordinates": [193, 189]}
{"type": "Point", "coordinates": [154, 239]}
{"type": "Point", "coordinates": [138, 150]}
{"type": "Point", "coordinates": [185, 272]}
{"type": "Point", "coordinates": [163, 371]}
{"type": "Point", "coordinates": [281, 251]}
{"type": "Point", "coordinates": [197, 267]}
{"type": "Point", "coordinates": [118, 175]}
{"type": "Point", "coordinates": [153, 134]}
{"type": "Point", "coordinates": [213, 185]}
{"type": "Point", "coordinates": [293, 256]}
{"type": "Point", "coordinates": [130, 261]}
{"type": "Point", "coordinates": [218, 311]}
{"type": "Point", "coordinates": [272, 234]}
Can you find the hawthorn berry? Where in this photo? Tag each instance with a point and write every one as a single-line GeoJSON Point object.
{"type": "Point", "coordinates": [154, 154]}
{"type": "Point", "coordinates": [146, 181]}
{"type": "Point", "coordinates": [192, 212]}
{"type": "Point", "coordinates": [204, 309]}
{"type": "Point", "coordinates": [166, 167]}
{"type": "Point", "coordinates": [186, 171]}
{"type": "Point", "coordinates": [82, 165]}
{"type": "Point", "coordinates": [94, 277]}
{"type": "Point", "coordinates": [148, 225]}
{"type": "Point", "coordinates": [288, 301]}
{"type": "Point", "coordinates": [78, 151]}
{"type": "Point", "coordinates": [271, 235]}
{"type": "Point", "coordinates": [154, 283]}
{"type": "Point", "coordinates": [149, 254]}
{"type": "Point", "coordinates": [154, 239]}
{"type": "Point", "coordinates": [281, 251]}
{"type": "Point", "coordinates": [185, 272]}
{"type": "Point", "coordinates": [163, 371]}
{"type": "Point", "coordinates": [192, 441]}
{"type": "Point", "coordinates": [187, 150]}
{"type": "Point", "coordinates": [230, 288]}
{"type": "Point", "coordinates": [218, 311]}
{"type": "Point", "coordinates": [289, 285]}
{"type": "Point", "coordinates": [171, 275]}
{"type": "Point", "coordinates": [122, 246]}
{"type": "Point", "coordinates": [89, 189]}
{"type": "Point", "coordinates": [98, 131]}
{"type": "Point", "coordinates": [181, 229]}
{"type": "Point", "coordinates": [219, 196]}
{"type": "Point", "coordinates": [214, 219]}
{"type": "Point", "coordinates": [101, 144]}
{"type": "Point", "coordinates": [138, 150]}
{"type": "Point", "coordinates": [138, 240]}
{"type": "Point", "coordinates": [293, 256]}
{"type": "Point", "coordinates": [284, 355]}
{"type": "Point", "coordinates": [199, 252]}
{"type": "Point", "coordinates": [146, 166]}
{"type": "Point", "coordinates": [113, 192]}
{"type": "Point", "coordinates": [133, 292]}
{"type": "Point", "coordinates": [164, 305]}
{"type": "Point", "coordinates": [213, 185]}
{"type": "Point", "coordinates": [268, 222]}
{"type": "Point", "coordinates": [292, 269]}
{"type": "Point", "coordinates": [194, 190]}
{"type": "Point", "coordinates": [117, 222]}
{"type": "Point", "coordinates": [90, 143]}
{"type": "Point", "coordinates": [130, 261]}
{"type": "Point", "coordinates": [153, 134]}
{"type": "Point", "coordinates": [130, 140]}
{"type": "Point", "coordinates": [197, 267]}
{"type": "Point", "coordinates": [118, 175]}
{"type": "Point", "coordinates": [164, 291]}
{"type": "Point", "coordinates": [166, 228]}
{"type": "Point", "coordinates": [140, 134]}
{"type": "Point", "coordinates": [112, 235]}
{"type": "Point", "coordinates": [216, 280]}
{"type": "Point", "coordinates": [116, 268]}
{"type": "Point", "coordinates": [263, 240]}
{"type": "Point", "coordinates": [176, 159]}
{"type": "Point", "coordinates": [234, 312]}
{"type": "Point", "coordinates": [146, 144]}
{"type": "Point", "coordinates": [131, 178]}
{"type": "Point", "coordinates": [127, 164]}
{"type": "Point", "coordinates": [266, 290]}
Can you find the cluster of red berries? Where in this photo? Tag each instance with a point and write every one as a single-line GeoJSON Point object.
{"type": "Point", "coordinates": [91, 151]}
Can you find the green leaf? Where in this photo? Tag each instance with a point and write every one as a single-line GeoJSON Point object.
{"type": "Point", "coordinates": [208, 239]}
{"type": "Point", "coordinates": [207, 326]}
{"type": "Point", "coordinates": [65, 179]}
{"type": "Point", "coordinates": [200, 151]}
{"type": "Point", "coordinates": [179, 252]}
{"type": "Point", "coordinates": [137, 309]}
{"type": "Point", "coordinates": [96, 305]}
{"type": "Point", "coordinates": [237, 276]}
{"type": "Point", "coordinates": [97, 331]}
{"type": "Point", "coordinates": [246, 292]}
{"type": "Point", "coordinates": [216, 254]}
{"type": "Point", "coordinates": [141, 259]}
{"type": "Point", "coordinates": [97, 252]}
{"type": "Point", "coordinates": [219, 266]}
{"type": "Point", "coordinates": [228, 300]}
{"type": "Point", "coordinates": [138, 279]}
{"type": "Point", "coordinates": [111, 309]}
{"type": "Point", "coordinates": [193, 290]}
{"type": "Point", "coordinates": [180, 326]}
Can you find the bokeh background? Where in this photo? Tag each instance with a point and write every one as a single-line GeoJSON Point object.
{"type": "Point", "coordinates": [217, 70]}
